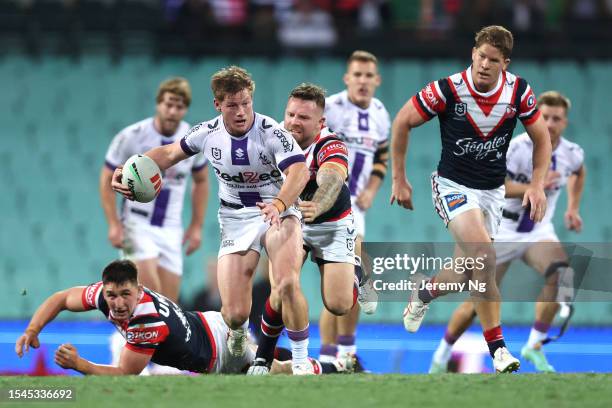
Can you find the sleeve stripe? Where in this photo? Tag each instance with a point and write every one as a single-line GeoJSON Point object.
{"type": "Point", "coordinates": [341, 157]}
{"type": "Point", "coordinates": [298, 158]}
{"type": "Point", "coordinates": [530, 119]}
{"type": "Point", "coordinates": [524, 95]}
{"type": "Point", "coordinates": [416, 102]}
{"type": "Point", "coordinates": [110, 165]}
{"type": "Point", "coordinates": [200, 167]}
{"type": "Point", "coordinates": [425, 104]}
{"type": "Point", "coordinates": [141, 350]}
{"type": "Point", "coordinates": [186, 148]}
{"type": "Point", "coordinates": [438, 92]}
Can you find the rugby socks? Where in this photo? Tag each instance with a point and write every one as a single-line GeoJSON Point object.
{"type": "Point", "coordinates": [327, 353]}
{"type": "Point", "coordinates": [299, 345]}
{"type": "Point", "coordinates": [444, 351]}
{"type": "Point", "coordinates": [427, 295]}
{"type": "Point", "coordinates": [494, 339]}
{"type": "Point", "coordinates": [271, 328]}
{"type": "Point", "coordinates": [358, 271]}
{"type": "Point", "coordinates": [539, 332]}
{"type": "Point", "coordinates": [346, 345]}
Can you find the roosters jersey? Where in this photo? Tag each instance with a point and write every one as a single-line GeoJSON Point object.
{"type": "Point", "coordinates": [160, 328]}
{"type": "Point", "coordinates": [363, 130]}
{"type": "Point", "coordinates": [167, 208]}
{"type": "Point", "coordinates": [567, 159]}
{"type": "Point", "coordinates": [476, 127]}
{"type": "Point", "coordinates": [327, 148]}
{"type": "Point", "coordinates": [249, 168]}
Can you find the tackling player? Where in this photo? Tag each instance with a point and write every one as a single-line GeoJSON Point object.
{"type": "Point", "coordinates": [329, 231]}
{"type": "Point", "coordinates": [151, 234]}
{"type": "Point", "coordinates": [261, 171]}
{"type": "Point", "coordinates": [155, 329]}
{"type": "Point", "coordinates": [478, 110]}
{"type": "Point", "coordinates": [362, 122]}
{"type": "Point", "coordinates": [536, 244]}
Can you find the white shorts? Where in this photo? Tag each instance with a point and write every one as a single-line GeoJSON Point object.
{"type": "Point", "coordinates": [225, 363]}
{"type": "Point", "coordinates": [511, 245]}
{"type": "Point", "coordinates": [359, 216]}
{"type": "Point", "coordinates": [451, 199]}
{"type": "Point", "coordinates": [244, 229]}
{"type": "Point", "coordinates": [332, 241]}
{"type": "Point", "coordinates": [145, 241]}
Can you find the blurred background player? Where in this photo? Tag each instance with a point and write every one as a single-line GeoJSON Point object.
{"type": "Point", "coordinates": [155, 329]}
{"type": "Point", "coordinates": [536, 244]}
{"type": "Point", "coordinates": [329, 230]}
{"type": "Point", "coordinates": [362, 122]}
{"type": "Point", "coordinates": [151, 234]}
{"type": "Point", "coordinates": [478, 110]}
{"type": "Point", "coordinates": [249, 153]}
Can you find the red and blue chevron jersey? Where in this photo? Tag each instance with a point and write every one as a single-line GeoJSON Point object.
{"type": "Point", "coordinates": [160, 328]}
{"type": "Point", "coordinates": [476, 127]}
{"type": "Point", "coordinates": [327, 148]}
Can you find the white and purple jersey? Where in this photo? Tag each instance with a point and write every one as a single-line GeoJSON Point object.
{"type": "Point", "coordinates": [249, 168]}
{"type": "Point", "coordinates": [363, 131]}
{"type": "Point", "coordinates": [167, 209]}
{"type": "Point", "coordinates": [567, 159]}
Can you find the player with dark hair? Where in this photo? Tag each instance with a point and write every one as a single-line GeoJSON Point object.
{"type": "Point", "coordinates": [154, 327]}
{"type": "Point", "coordinates": [478, 111]}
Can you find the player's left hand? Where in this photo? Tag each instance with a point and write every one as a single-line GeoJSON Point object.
{"type": "Point", "coordinates": [270, 213]}
{"type": "Point", "coordinates": [535, 197]}
{"type": "Point", "coordinates": [27, 339]}
{"type": "Point", "coordinates": [66, 356]}
{"type": "Point", "coordinates": [573, 220]}
{"type": "Point", "coordinates": [193, 238]}
{"type": "Point", "coordinates": [365, 199]}
{"type": "Point", "coordinates": [310, 210]}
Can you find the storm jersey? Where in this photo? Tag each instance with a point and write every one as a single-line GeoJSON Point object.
{"type": "Point", "coordinates": [567, 159]}
{"type": "Point", "coordinates": [167, 208]}
{"type": "Point", "coordinates": [476, 127]}
{"type": "Point", "coordinates": [363, 130]}
{"type": "Point", "coordinates": [249, 168]}
{"type": "Point", "coordinates": [159, 328]}
{"type": "Point", "coordinates": [327, 148]}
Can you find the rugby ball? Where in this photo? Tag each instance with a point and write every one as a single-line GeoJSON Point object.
{"type": "Point", "coordinates": [143, 177]}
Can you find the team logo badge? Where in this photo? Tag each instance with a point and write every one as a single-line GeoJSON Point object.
{"type": "Point", "coordinates": [510, 111]}
{"type": "Point", "coordinates": [454, 201]}
{"type": "Point", "coordinates": [350, 244]}
{"type": "Point", "coordinates": [264, 159]}
{"type": "Point", "coordinates": [216, 153]}
{"type": "Point", "coordinates": [461, 109]}
{"type": "Point", "coordinates": [530, 101]}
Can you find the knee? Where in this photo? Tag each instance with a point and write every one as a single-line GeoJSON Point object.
{"type": "Point", "coordinates": [287, 286]}
{"type": "Point", "coordinates": [235, 316]}
{"type": "Point", "coordinates": [338, 306]}
{"type": "Point", "coordinates": [484, 260]}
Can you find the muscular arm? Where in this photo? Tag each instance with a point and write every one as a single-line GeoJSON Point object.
{"type": "Point", "coordinates": [575, 186]}
{"type": "Point", "coordinates": [379, 170]}
{"type": "Point", "coordinates": [69, 299]}
{"type": "Point", "coordinates": [407, 118]}
{"type": "Point", "coordinates": [330, 179]}
{"type": "Point", "coordinates": [130, 362]}
{"type": "Point", "coordinates": [168, 155]}
{"type": "Point", "coordinates": [199, 200]}
{"type": "Point", "coordinates": [107, 196]}
{"type": "Point", "coordinates": [542, 151]}
{"type": "Point", "coordinates": [297, 177]}
{"type": "Point", "coordinates": [514, 189]}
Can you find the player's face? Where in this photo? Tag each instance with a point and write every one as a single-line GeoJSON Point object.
{"type": "Point", "coordinates": [237, 111]}
{"type": "Point", "coordinates": [170, 111]}
{"type": "Point", "coordinates": [487, 63]}
{"type": "Point", "coordinates": [555, 118]}
{"type": "Point", "coordinates": [361, 81]}
{"type": "Point", "coordinates": [304, 120]}
{"type": "Point", "coordinates": [121, 299]}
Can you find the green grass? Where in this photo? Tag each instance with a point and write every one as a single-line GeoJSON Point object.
{"type": "Point", "coordinates": [337, 391]}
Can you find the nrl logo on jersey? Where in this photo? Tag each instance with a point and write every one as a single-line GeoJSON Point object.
{"type": "Point", "coordinates": [216, 153]}
{"type": "Point", "coordinates": [461, 109]}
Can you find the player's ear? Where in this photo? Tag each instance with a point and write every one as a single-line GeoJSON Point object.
{"type": "Point", "coordinates": [506, 63]}
{"type": "Point", "coordinates": [217, 104]}
{"type": "Point", "coordinates": [345, 78]}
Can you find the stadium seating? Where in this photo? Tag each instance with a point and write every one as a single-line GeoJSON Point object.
{"type": "Point", "coordinates": [59, 116]}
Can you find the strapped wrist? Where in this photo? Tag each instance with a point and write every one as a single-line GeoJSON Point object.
{"type": "Point", "coordinates": [276, 201]}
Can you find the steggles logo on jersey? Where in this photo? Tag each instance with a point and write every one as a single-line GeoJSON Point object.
{"type": "Point", "coordinates": [249, 176]}
{"type": "Point", "coordinates": [216, 153]}
{"type": "Point", "coordinates": [479, 148]}
{"type": "Point", "coordinates": [282, 137]}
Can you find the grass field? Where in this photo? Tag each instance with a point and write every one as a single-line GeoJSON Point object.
{"type": "Point", "coordinates": [422, 391]}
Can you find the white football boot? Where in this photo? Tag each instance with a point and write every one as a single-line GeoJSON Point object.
{"type": "Point", "coordinates": [414, 312]}
{"type": "Point", "coordinates": [504, 362]}
{"type": "Point", "coordinates": [237, 342]}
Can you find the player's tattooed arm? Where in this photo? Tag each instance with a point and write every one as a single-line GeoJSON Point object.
{"type": "Point", "coordinates": [330, 179]}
